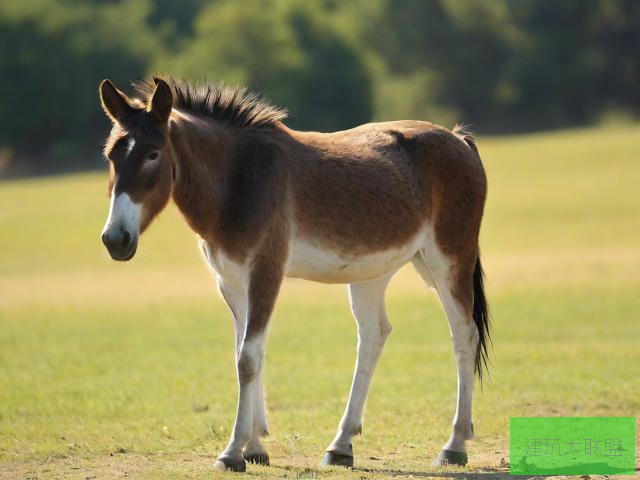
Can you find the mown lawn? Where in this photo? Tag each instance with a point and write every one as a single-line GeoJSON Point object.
{"type": "Point", "coordinates": [110, 370]}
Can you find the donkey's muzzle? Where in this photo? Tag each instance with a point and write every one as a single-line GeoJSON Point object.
{"type": "Point", "coordinates": [120, 243]}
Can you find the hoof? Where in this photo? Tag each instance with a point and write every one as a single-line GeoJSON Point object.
{"type": "Point", "coordinates": [228, 463]}
{"type": "Point", "coordinates": [332, 458]}
{"type": "Point", "coordinates": [258, 458]}
{"type": "Point", "coordinates": [449, 457]}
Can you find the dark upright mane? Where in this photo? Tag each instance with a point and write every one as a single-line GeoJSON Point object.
{"type": "Point", "coordinates": [234, 105]}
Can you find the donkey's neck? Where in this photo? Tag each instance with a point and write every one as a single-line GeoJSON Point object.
{"type": "Point", "coordinates": [201, 154]}
{"type": "Point", "coordinates": [230, 182]}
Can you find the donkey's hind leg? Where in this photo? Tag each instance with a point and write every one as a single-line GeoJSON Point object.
{"type": "Point", "coordinates": [454, 284]}
{"type": "Point", "coordinates": [367, 304]}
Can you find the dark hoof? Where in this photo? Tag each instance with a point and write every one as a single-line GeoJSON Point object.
{"type": "Point", "coordinates": [228, 463]}
{"type": "Point", "coordinates": [332, 458]}
{"type": "Point", "coordinates": [449, 457]}
{"type": "Point", "coordinates": [258, 458]}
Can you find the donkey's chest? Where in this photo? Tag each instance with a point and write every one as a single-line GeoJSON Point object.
{"type": "Point", "coordinates": [312, 261]}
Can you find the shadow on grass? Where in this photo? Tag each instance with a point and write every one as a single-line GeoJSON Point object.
{"type": "Point", "coordinates": [486, 474]}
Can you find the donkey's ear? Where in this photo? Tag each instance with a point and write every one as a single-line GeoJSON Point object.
{"type": "Point", "coordinates": [115, 103]}
{"type": "Point", "coordinates": [161, 102]}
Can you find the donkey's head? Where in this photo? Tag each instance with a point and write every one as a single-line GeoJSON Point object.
{"type": "Point", "coordinates": [140, 167]}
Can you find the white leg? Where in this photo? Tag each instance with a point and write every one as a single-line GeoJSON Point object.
{"type": "Point", "coordinates": [464, 334]}
{"type": "Point", "coordinates": [250, 361]}
{"type": "Point", "coordinates": [236, 298]}
{"type": "Point", "coordinates": [422, 269]}
{"type": "Point", "coordinates": [367, 304]}
{"type": "Point", "coordinates": [257, 299]}
{"type": "Point", "coordinates": [465, 338]}
{"type": "Point", "coordinates": [255, 451]}
{"type": "Point", "coordinates": [249, 398]}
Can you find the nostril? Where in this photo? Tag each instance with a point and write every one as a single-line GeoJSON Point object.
{"type": "Point", "coordinates": [105, 238]}
{"type": "Point", "coordinates": [126, 238]}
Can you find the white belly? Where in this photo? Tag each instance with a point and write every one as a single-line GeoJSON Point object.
{"type": "Point", "coordinates": [312, 261]}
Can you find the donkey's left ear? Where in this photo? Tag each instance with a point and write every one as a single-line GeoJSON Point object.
{"type": "Point", "coordinates": [161, 102]}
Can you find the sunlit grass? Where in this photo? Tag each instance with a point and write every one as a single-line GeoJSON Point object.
{"type": "Point", "coordinates": [109, 368]}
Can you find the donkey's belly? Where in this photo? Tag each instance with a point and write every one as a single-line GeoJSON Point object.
{"type": "Point", "coordinates": [312, 261]}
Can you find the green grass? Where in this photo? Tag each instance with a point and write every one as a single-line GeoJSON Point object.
{"type": "Point", "coordinates": [108, 369]}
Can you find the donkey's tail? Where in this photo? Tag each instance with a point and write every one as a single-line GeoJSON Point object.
{"type": "Point", "coordinates": [481, 319]}
{"type": "Point", "coordinates": [463, 132]}
{"type": "Point", "coordinates": [480, 306]}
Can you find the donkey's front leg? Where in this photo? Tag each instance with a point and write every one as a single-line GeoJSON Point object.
{"type": "Point", "coordinates": [236, 298]}
{"type": "Point", "coordinates": [264, 283]}
{"type": "Point", "coordinates": [255, 451]}
{"type": "Point", "coordinates": [367, 304]}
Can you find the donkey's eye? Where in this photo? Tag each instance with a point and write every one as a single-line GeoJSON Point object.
{"type": "Point", "coordinates": [153, 156]}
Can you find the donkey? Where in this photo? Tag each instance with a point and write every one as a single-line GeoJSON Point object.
{"type": "Point", "coordinates": [269, 202]}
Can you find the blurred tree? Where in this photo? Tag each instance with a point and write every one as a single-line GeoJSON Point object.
{"type": "Point", "coordinates": [53, 54]}
{"type": "Point", "coordinates": [617, 28]}
{"type": "Point", "coordinates": [285, 50]}
{"type": "Point", "coordinates": [522, 65]}
{"type": "Point", "coordinates": [556, 71]}
{"type": "Point", "coordinates": [464, 46]}
{"type": "Point", "coordinates": [175, 19]}
{"type": "Point", "coordinates": [501, 65]}
{"type": "Point", "coordinates": [334, 86]}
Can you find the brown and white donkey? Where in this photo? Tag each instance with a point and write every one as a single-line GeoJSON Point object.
{"type": "Point", "coordinates": [269, 202]}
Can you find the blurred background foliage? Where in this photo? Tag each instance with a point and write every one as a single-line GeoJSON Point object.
{"type": "Point", "coordinates": [502, 66]}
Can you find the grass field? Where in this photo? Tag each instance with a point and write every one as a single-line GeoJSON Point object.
{"type": "Point", "coordinates": [126, 370]}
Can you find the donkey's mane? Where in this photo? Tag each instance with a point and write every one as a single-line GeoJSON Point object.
{"type": "Point", "coordinates": [235, 105]}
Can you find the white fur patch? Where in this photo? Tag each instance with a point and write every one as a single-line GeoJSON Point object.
{"type": "Point", "coordinates": [123, 214]}
{"type": "Point", "coordinates": [311, 261]}
{"type": "Point", "coordinates": [130, 145]}
{"type": "Point", "coordinates": [225, 268]}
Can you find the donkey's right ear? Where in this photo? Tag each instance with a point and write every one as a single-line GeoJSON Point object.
{"type": "Point", "coordinates": [115, 103]}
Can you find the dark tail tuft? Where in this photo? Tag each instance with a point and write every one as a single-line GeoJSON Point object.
{"type": "Point", "coordinates": [481, 319]}
{"type": "Point", "coordinates": [463, 132]}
